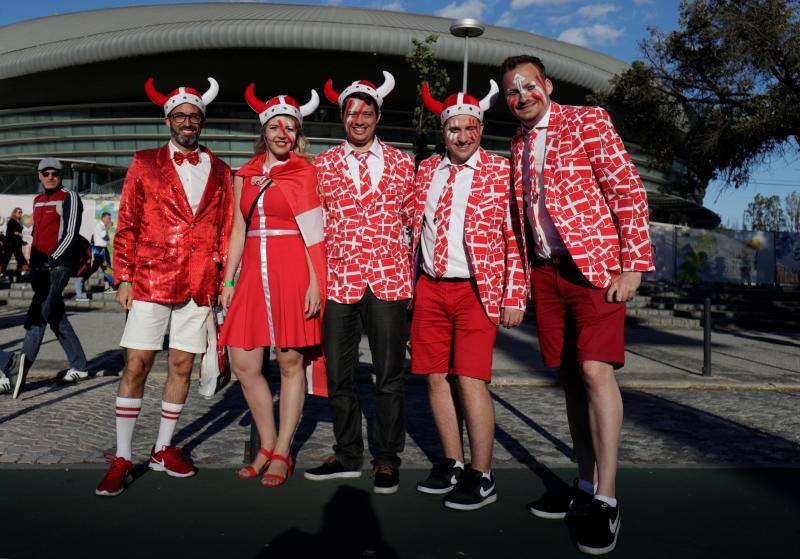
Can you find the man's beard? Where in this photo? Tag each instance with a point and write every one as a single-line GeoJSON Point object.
{"type": "Point", "coordinates": [185, 141]}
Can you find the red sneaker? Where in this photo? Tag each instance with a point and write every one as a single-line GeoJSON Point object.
{"type": "Point", "coordinates": [118, 475]}
{"type": "Point", "coordinates": [169, 460]}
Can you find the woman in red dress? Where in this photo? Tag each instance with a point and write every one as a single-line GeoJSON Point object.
{"type": "Point", "coordinates": [277, 235]}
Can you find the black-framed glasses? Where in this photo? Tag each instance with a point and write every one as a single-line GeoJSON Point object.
{"type": "Point", "coordinates": [180, 118]}
{"type": "Point", "coordinates": [50, 174]}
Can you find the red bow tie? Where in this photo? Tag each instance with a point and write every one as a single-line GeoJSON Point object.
{"type": "Point", "coordinates": [193, 158]}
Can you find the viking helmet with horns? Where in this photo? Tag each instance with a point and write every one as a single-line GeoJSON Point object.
{"type": "Point", "coordinates": [182, 95]}
{"type": "Point", "coordinates": [460, 103]}
{"type": "Point", "coordinates": [280, 105]}
{"type": "Point", "coordinates": [378, 93]}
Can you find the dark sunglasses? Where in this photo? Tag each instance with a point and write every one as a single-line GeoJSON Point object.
{"type": "Point", "coordinates": [49, 174]}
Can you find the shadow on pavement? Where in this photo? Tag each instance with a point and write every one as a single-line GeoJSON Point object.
{"type": "Point", "coordinates": [71, 394]}
{"type": "Point", "coordinates": [224, 412]}
{"type": "Point", "coordinates": [350, 529]}
{"type": "Point", "coordinates": [716, 439]}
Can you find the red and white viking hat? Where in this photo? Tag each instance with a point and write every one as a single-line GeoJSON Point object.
{"type": "Point", "coordinates": [280, 105]}
{"type": "Point", "coordinates": [361, 86]}
{"type": "Point", "coordinates": [460, 103]}
{"type": "Point", "coordinates": [182, 95]}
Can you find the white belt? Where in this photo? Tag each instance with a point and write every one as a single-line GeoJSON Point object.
{"type": "Point", "coordinates": [271, 232]}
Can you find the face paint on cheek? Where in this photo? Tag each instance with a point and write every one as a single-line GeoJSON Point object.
{"type": "Point", "coordinates": [519, 81]}
{"type": "Point", "coordinates": [356, 106]}
{"type": "Point", "coordinates": [286, 134]}
{"type": "Point", "coordinates": [541, 89]}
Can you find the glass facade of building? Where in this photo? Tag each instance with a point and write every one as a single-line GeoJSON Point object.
{"type": "Point", "coordinates": [97, 143]}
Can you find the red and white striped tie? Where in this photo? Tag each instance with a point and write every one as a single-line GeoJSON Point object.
{"type": "Point", "coordinates": [533, 193]}
{"type": "Point", "coordinates": [442, 220]}
{"type": "Point", "coordinates": [364, 177]}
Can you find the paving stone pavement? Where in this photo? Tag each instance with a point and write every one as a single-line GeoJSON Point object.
{"type": "Point", "coordinates": [746, 413]}
{"type": "Point", "coordinates": [74, 424]}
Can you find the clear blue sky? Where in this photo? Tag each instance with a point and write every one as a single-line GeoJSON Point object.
{"type": "Point", "coordinates": [614, 27]}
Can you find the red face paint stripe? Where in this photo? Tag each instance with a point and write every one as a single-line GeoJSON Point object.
{"type": "Point", "coordinates": [286, 134]}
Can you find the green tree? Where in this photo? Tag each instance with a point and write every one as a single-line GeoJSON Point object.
{"type": "Point", "coordinates": [423, 62]}
{"type": "Point", "coordinates": [765, 214]}
{"type": "Point", "coordinates": [792, 202]}
{"type": "Point", "coordinates": [720, 93]}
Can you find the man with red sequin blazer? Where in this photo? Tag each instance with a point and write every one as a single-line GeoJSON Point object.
{"type": "Point", "coordinates": [174, 220]}
{"type": "Point", "coordinates": [365, 186]}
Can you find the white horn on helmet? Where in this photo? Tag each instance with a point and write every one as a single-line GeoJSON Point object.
{"type": "Point", "coordinates": [387, 86]}
{"type": "Point", "coordinates": [212, 91]}
{"type": "Point", "coordinates": [311, 106]}
{"type": "Point", "coordinates": [491, 97]}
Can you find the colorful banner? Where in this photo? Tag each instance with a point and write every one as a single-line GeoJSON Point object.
{"type": "Point", "coordinates": [717, 256]}
{"type": "Point", "coordinates": [787, 258]}
{"type": "Point", "coordinates": [662, 239]}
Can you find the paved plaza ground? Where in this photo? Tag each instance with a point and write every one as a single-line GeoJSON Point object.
{"type": "Point", "coordinates": [710, 466]}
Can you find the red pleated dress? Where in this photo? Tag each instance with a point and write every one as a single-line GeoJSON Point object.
{"type": "Point", "coordinates": [268, 303]}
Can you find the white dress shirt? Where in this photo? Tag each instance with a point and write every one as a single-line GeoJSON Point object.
{"type": "Point", "coordinates": [374, 164]}
{"type": "Point", "coordinates": [457, 261]}
{"type": "Point", "coordinates": [547, 242]}
{"type": "Point", "coordinates": [193, 177]}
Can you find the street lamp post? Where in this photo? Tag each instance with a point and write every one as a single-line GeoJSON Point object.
{"type": "Point", "coordinates": [466, 27]}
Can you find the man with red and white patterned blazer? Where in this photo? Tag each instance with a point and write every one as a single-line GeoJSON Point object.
{"type": "Point", "coordinates": [466, 238]}
{"type": "Point", "coordinates": [365, 187]}
{"type": "Point", "coordinates": [587, 223]}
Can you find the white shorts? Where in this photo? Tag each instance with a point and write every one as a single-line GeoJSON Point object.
{"type": "Point", "coordinates": [147, 323]}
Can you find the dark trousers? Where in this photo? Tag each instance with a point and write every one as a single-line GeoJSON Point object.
{"type": "Point", "coordinates": [13, 249]}
{"type": "Point", "coordinates": [47, 308]}
{"type": "Point", "coordinates": [385, 325]}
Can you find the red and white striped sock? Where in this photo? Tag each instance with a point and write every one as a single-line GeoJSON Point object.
{"type": "Point", "coordinates": [169, 418]}
{"type": "Point", "coordinates": [127, 411]}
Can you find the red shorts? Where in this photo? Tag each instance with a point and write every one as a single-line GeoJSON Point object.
{"type": "Point", "coordinates": [573, 319]}
{"type": "Point", "coordinates": [450, 332]}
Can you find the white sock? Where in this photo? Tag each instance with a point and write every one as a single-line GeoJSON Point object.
{"type": "Point", "coordinates": [586, 486]}
{"type": "Point", "coordinates": [127, 411]}
{"type": "Point", "coordinates": [459, 464]}
{"type": "Point", "coordinates": [487, 475]}
{"type": "Point", "coordinates": [169, 418]}
{"type": "Point", "coordinates": [610, 501]}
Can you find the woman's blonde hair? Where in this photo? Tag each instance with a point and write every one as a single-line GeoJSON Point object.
{"type": "Point", "coordinates": [14, 211]}
{"type": "Point", "coordinates": [300, 144]}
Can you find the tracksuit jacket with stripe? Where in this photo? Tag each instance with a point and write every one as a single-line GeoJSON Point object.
{"type": "Point", "coordinates": [56, 223]}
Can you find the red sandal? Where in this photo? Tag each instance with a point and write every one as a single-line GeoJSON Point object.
{"type": "Point", "coordinates": [281, 478]}
{"type": "Point", "coordinates": [249, 472]}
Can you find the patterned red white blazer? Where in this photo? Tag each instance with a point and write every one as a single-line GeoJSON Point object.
{"type": "Point", "coordinates": [491, 231]}
{"type": "Point", "coordinates": [593, 193]}
{"type": "Point", "coordinates": [366, 244]}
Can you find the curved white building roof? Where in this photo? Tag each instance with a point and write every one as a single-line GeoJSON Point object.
{"type": "Point", "coordinates": [63, 41]}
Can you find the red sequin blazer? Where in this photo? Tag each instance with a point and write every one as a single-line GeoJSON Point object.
{"type": "Point", "coordinates": [170, 254]}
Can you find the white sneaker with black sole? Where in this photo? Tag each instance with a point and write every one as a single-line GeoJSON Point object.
{"type": "Point", "coordinates": [5, 384]}
{"type": "Point", "coordinates": [472, 492]}
{"type": "Point", "coordinates": [74, 375]}
{"type": "Point", "coordinates": [443, 478]}
{"type": "Point", "coordinates": [599, 530]}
